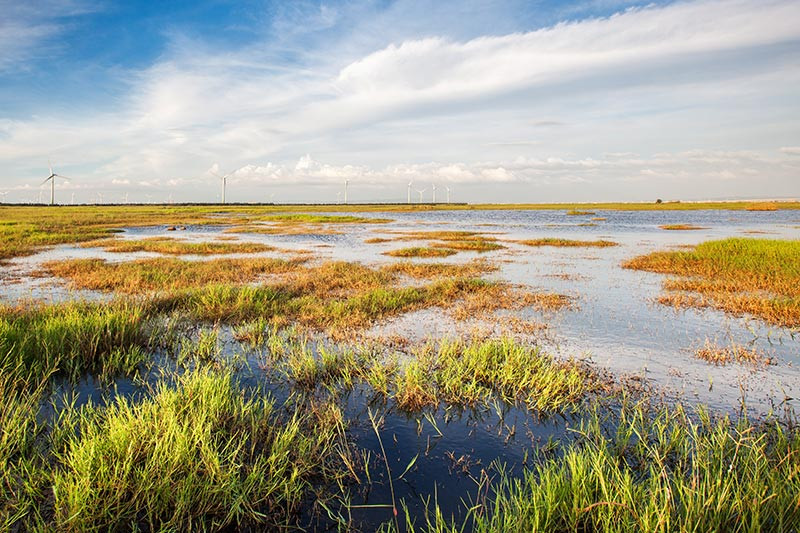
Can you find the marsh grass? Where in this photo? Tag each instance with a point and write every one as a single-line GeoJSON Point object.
{"type": "Point", "coordinates": [197, 455]}
{"type": "Point", "coordinates": [419, 251]}
{"type": "Point", "coordinates": [681, 227]}
{"type": "Point", "coordinates": [659, 471]}
{"type": "Point", "coordinates": [756, 276]}
{"type": "Point", "coordinates": [567, 243]}
{"type": "Point", "coordinates": [164, 274]}
{"type": "Point", "coordinates": [169, 246]}
{"type": "Point", "coordinates": [305, 218]}
{"type": "Point", "coordinates": [73, 339]}
{"type": "Point", "coordinates": [470, 245]}
{"type": "Point", "coordinates": [440, 270]}
{"type": "Point", "coordinates": [578, 212]}
{"type": "Point", "coordinates": [471, 373]}
{"type": "Point", "coordinates": [735, 353]}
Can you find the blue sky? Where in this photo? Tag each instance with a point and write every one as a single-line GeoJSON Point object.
{"type": "Point", "coordinates": [498, 100]}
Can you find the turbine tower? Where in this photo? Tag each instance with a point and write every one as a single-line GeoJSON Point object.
{"type": "Point", "coordinates": [448, 193]}
{"type": "Point", "coordinates": [420, 194]}
{"type": "Point", "coordinates": [346, 182]}
{"type": "Point", "coordinates": [409, 191]}
{"type": "Point", "coordinates": [52, 179]}
{"type": "Point", "coordinates": [223, 179]}
{"type": "Point", "coordinates": [434, 193]}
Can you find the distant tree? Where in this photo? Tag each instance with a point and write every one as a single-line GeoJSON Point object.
{"type": "Point", "coordinates": [659, 201]}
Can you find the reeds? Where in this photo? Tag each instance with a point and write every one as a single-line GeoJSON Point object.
{"type": "Point", "coordinates": [419, 251]}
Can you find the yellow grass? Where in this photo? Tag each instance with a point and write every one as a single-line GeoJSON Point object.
{"type": "Point", "coordinates": [722, 355]}
{"type": "Point", "coordinates": [681, 227]}
{"type": "Point", "coordinates": [169, 246]}
{"type": "Point", "coordinates": [567, 243]}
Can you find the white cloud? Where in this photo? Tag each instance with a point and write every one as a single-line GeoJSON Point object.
{"type": "Point", "coordinates": [572, 103]}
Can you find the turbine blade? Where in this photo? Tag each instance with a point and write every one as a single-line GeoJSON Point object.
{"type": "Point", "coordinates": [50, 166]}
{"type": "Point", "coordinates": [46, 180]}
{"type": "Point", "coordinates": [60, 176]}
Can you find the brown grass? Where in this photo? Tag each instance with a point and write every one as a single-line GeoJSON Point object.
{"type": "Point", "coordinates": [440, 270]}
{"type": "Point", "coordinates": [577, 212]}
{"type": "Point", "coordinates": [170, 246]}
{"type": "Point", "coordinates": [419, 251]}
{"type": "Point", "coordinates": [722, 355]}
{"type": "Point", "coordinates": [755, 276]}
{"type": "Point", "coordinates": [283, 229]}
{"type": "Point", "coordinates": [681, 227]}
{"type": "Point", "coordinates": [163, 274]}
{"type": "Point", "coordinates": [377, 240]}
{"type": "Point", "coordinates": [471, 245]}
{"type": "Point", "coordinates": [567, 243]}
{"type": "Point", "coordinates": [484, 301]}
{"type": "Point", "coordinates": [765, 206]}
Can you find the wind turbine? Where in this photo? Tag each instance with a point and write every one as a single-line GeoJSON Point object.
{"type": "Point", "coordinates": [409, 191]}
{"type": "Point", "coordinates": [346, 182]}
{"type": "Point", "coordinates": [448, 193]}
{"type": "Point", "coordinates": [420, 194]}
{"type": "Point", "coordinates": [434, 193]}
{"type": "Point", "coordinates": [4, 194]}
{"type": "Point", "coordinates": [224, 180]}
{"type": "Point", "coordinates": [99, 197]}
{"type": "Point", "coordinates": [72, 199]}
{"type": "Point", "coordinates": [52, 179]}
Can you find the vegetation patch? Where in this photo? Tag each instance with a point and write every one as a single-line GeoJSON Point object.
{"type": "Point", "coordinates": [169, 246]}
{"type": "Point", "coordinates": [662, 471]}
{"type": "Point", "coordinates": [163, 274]}
{"type": "Point", "coordinates": [722, 355]}
{"type": "Point", "coordinates": [567, 243]}
{"type": "Point", "coordinates": [198, 454]}
{"type": "Point", "coordinates": [471, 245]}
{"type": "Point", "coordinates": [578, 212]}
{"type": "Point", "coordinates": [305, 218]}
{"type": "Point", "coordinates": [681, 227]}
{"type": "Point", "coordinates": [760, 277]}
{"type": "Point", "coordinates": [440, 270]}
{"type": "Point", "coordinates": [73, 338]}
{"type": "Point", "coordinates": [419, 251]}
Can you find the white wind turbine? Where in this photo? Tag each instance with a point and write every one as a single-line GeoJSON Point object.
{"type": "Point", "coordinates": [346, 183]}
{"type": "Point", "coordinates": [434, 193]}
{"type": "Point", "coordinates": [4, 194]}
{"type": "Point", "coordinates": [52, 179]}
{"type": "Point", "coordinates": [409, 191]}
{"type": "Point", "coordinates": [223, 179]}
{"type": "Point", "coordinates": [420, 194]}
{"type": "Point", "coordinates": [448, 193]}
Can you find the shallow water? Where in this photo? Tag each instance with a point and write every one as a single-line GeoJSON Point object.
{"type": "Point", "coordinates": [616, 323]}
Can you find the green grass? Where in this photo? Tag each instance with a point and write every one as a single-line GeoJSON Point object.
{"type": "Point", "coordinates": [472, 373]}
{"type": "Point", "coordinates": [196, 456]}
{"type": "Point", "coordinates": [756, 276]}
{"type": "Point", "coordinates": [660, 472]}
{"type": "Point", "coordinates": [73, 339]}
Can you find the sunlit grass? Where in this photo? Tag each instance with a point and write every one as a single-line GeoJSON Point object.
{"type": "Point", "coordinates": [73, 339]}
{"type": "Point", "coordinates": [569, 243]}
{"type": "Point", "coordinates": [756, 276]}
{"type": "Point", "coordinates": [163, 274]}
{"type": "Point", "coordinates": [659, 472]}
{"type": "Point", "coordinates": [420, 251]}
{"type": "Point", "coordinates": [681, 227]}
{"type": "Point", "coordinates": [722, 355]}
{"type": "Point", "coordinates": [166, 245]}
{"type": "Point", "coordinates": [195, 455]}
{"type": "Point", "coordinates": [440, 270]}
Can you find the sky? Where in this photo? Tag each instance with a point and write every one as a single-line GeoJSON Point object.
{"type": "Point", "coordinates": [490, 101]}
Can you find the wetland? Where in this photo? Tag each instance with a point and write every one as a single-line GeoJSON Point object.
{"type": "Point", "coordinates": [400, 368]}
